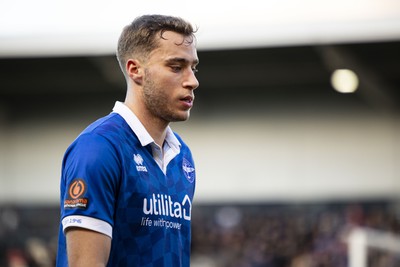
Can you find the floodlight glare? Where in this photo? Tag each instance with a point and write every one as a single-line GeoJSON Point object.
{"type": "Point", "coordinates": [344, 81]}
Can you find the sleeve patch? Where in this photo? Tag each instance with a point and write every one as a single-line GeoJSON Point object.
{"type": "Point", "coordinates": [76, 192]}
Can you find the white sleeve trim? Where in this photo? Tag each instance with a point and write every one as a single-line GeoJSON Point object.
{"type": "Point", "coordinates": [87, 223]}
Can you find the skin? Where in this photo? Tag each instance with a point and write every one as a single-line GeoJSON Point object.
{"type": "Point", "coordinates": [160, 90]}
{"type": "Point", "coordinates": [87, 248]}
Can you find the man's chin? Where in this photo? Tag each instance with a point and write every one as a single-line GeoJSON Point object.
{"type": "Point", "coordinates": [180, 117]}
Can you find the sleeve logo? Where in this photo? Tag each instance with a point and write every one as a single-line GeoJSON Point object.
{"type": "Point", "coordinates": [76, 191]}
{"type": "Point", "coordinates": [77, 188]}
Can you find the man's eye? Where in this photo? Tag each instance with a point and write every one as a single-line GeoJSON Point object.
{"type": "Point", "coordinates": [195, 70]}
{"type": "Point", "coordinates": [176, 68]}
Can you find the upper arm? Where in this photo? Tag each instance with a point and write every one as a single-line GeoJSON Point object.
{"type": "Point", "coordinates": [87, 248]}
{"type": "Point", "coordinates": [90, 175]}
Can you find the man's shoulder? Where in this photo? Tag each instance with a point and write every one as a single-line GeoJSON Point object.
{"type": "Point", "coordinates": [106, 124]}
{"type": "Point", "coordinates": [110, 129]}
{"type": "Point", "coordinates": [103, 138]}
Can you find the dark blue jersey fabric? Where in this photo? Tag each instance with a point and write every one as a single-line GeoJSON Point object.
{"type": "Point", "coordinates": [108, 175]}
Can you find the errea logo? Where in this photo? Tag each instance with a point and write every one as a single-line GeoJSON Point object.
{"type": "Point", "coordinates": [139, 163]}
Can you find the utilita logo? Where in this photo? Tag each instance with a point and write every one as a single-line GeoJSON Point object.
{"type": "Point", "coordinates": [163, 205]}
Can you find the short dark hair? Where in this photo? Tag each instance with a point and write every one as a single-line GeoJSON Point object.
{"type": "Point", "coordinates": [138, 38]}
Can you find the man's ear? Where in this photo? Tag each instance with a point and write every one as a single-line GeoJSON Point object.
{"type": "Point", "coordinates": [134, 70]}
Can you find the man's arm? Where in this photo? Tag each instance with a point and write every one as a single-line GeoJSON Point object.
{"type": "Point", "coordinates": [87, 248]}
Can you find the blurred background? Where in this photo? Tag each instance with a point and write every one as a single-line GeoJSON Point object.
{"type": "Point", "coordinates": [295, 129]}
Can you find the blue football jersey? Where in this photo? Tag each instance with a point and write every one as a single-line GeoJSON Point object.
{"type": "Point", "coordinates": [109, 177]}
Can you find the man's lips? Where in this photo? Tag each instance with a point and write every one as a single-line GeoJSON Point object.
{"type": "Point", "coordinates": [188, 101]}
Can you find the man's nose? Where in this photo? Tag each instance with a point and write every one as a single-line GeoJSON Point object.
{"type": "Point", "coordinates": [191, 81]}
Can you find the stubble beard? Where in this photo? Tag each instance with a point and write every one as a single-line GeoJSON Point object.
{"type": "Point", "coordinates": [156, 101]}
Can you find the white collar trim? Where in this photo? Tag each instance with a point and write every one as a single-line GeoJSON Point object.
{"type": "Point", "coordinates": [138, 128]}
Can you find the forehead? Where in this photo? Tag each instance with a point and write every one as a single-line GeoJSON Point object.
{"type": "Point", "coordinates": [172, 44]}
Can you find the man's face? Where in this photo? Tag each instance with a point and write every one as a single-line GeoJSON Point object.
{"type": "Point", "coordinates": [169, 78]}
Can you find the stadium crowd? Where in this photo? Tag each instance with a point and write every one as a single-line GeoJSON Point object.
{"type": "Point", "coordinates": [288, 235]}
{"type": "Point", "coordinates": [242, 235]}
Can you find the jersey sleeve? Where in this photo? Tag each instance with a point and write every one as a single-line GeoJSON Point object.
{"type": "Point", "coordinates": [90, 178]}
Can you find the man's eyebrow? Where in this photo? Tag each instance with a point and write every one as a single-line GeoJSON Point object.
{"type": "Point", "coordinates": [182, 61]}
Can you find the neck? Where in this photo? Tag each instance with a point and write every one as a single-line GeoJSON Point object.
{"type": "Point", "coordinates": [156, 127]}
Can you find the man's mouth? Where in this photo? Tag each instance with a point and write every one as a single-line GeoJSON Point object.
{"type": "Point", "coordinates": [187, 99]}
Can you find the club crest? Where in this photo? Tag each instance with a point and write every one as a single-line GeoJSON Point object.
{"type": "Point", "coordinates": [188, 170]}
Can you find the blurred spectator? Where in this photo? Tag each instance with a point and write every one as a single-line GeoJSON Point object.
{"type": "Point", "coordinates": [256, 235]}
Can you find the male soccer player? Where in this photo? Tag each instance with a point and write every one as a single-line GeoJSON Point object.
{"type": "Point", "coordinates": [128, 181]}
